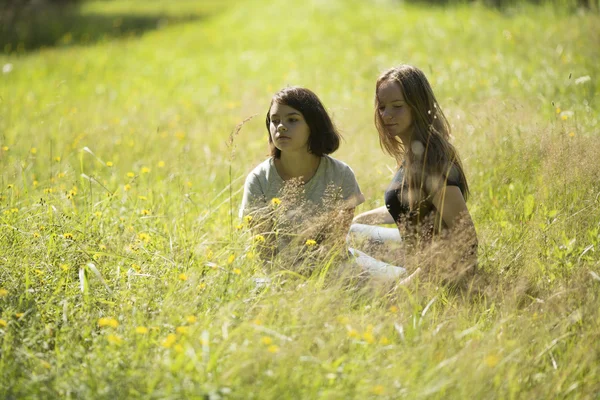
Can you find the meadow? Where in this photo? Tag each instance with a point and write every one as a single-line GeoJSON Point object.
{"type": "Point", "coordinates": [125, 272]}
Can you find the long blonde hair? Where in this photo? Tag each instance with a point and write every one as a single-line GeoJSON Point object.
{"type": "Point", "coordinates": [431, 154]}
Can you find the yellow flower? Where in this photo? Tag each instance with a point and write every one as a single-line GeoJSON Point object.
{"type": "Point", "coordinates": [259, 239]}
{"type": "Point", "coordinates": [393, 309]}
{"type": "Point", "coordinates": [68, 235]}
{"type": "Point", "coordinates": [247, 218]}
{"type": "Point", "coordinates": [36, 235]}
{"type": "Point", "coordinates": [98, 214]}
{"type": "Point", "coordinates": [191, 319]}
{"type": "Point", "coordinates": [130, 174]}
{"type": "Point", "coordinates": [127, 187]}
{"type": "Point", "coordinates": [564, 117]}
{"type": "Point", "coordinates": [178, 348]}
{"type": "Point", "coordinates": [558, 110]}
{"type": "Point", "coordinates": [208, 254]}
{"type": "Point", "coordinates": [353, 333]}
{"type": "Point", "coordinates": [64, 267]}
{"type": "Point", "coordinates": [491, 360]}
{"type": "Point", "coordinates": [3, 323]}
{"type": "Point", "coordinates": [183, 277]}
{"type": "Point", "coordinates": [136, 267]}
{"type": "Point", "coordinates": [144, 237]}
{"type": "Point", "coordinates": [342, 319]}
{"type": "Point", "coordinates": [161, 164]}
{"type": "Point", "coordinates": [3, 292]}
{"type": "Point", "coordinates": [369, 338]}
{"type": "Point", "coordinates": [182, 330]}
{"type": "Point", "coordinates": [109, 164]}
{"type": "Point", "coordinates": [169, 340]}
{"type": "Point", "coordinates": [250, 255]}
{"type": "Point", "coordinates": [57, 159]}
{"type": "Point", "coordinates": [4, 148]}
{"type": "Point", "coordinates": [35, 183]}
{"type": "Point", "coordinates": [571, 134]}
{"type": "Point", "coordinates": [19, 314]}
{"type": "Point", "coordinates": [266, 340]}
{"type": "Point", "coordinates": [145, 170]}
{"type": "Point", "coordinates": [230, 259]}
{"type": "Point", "coordinates": [10, 186]}
{"type": "Point", "coordinates": [237, 271]}
{"type": "Point", "coordinates": [202, 286]}
{"type": "Point", "coordinates": [384, 341]}
{"type": "Point", "coordinates": [142, 330]}
{"type": "Point", "coordinates": [311, 243]}
{"type": "Point", "coordinates": [33, 150]}
{"type": "Point", "coordinates": [378, 390]}
{"type": "Point", "coordinates": [145, 212]}
{"type": "Point", "coordinates": [273, 348]}
{"type": "Point", "coordinates": [111, 322]}
{"type": "Point", "coordinates": [114, 339]}
{"type": "Point", "coordinates": [275, 201]}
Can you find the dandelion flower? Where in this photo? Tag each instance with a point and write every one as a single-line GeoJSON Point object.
{"type": "Point", "coordinates": [183, 277]}
{"type": "Point", "coordinates": [145, 212]}
{"type": "Point", "coordinates": [169, 340]}
{"type": "Point", "coordinates": [68, 235]}
{"type": "Point", "coordinates": [182, 330]}
{"type": "Point", "coordinates": [564, 117]}
{"type": "Point", "coordinates": [130, 174]}
{"type": "Point", "coordinates": [393, 309]}
{"type": "Point", "coordinates": [191, 319]}
{"type": "Point", "coordinates": [109, 164]}
{"type": "Point", "coordinates": [114, 339]}
{"type": "Point", "coordinates": [110, 322]}
{"type": "Point", "coordinates": [33, 150]}
{"type": "Point", "coordinates": [310, 243]}
{"type": "Point", "coordinates": [353, 333]}
{"type": "Point", "coordinates": [230, 259]}
{"type": "Point", "coordinates": [491, 360]}
{"type": "Point", "coordinates": [178, 348]}
{"type": "Point", "coordinates": [571, 134]}
{"type": "Point", "coordinates": [384, 341]}
{"type": "Point", "coordinates": [4, 148]}
{"type": "Point", "coordinates": [64, 267]}
{"type": "Point", "coordinates": [378, 390]}
{"type": "Point", "coordinates": [266, 340]}
{"type": "Point", "coordinates": [10, 186]}
{"type": "Point", "coordinates": [161, 164]}
{"type": "Point", "coordinates": [127, 187]}
{"type": "Point", "coordinates": [259, 239]}
{"type": "Point", "coordinates": [144, 237]}
{"type": "Point", "coordinates": [273, 348]}
{"type": "Point", "coordinates": [19, 314]}
{"type": "Point", "coordinates": [141, 330]}
{"type": "Point", "coordinates": [368, 337]}
{"type": "Point", "coordinates": [57, 159]}
{"type": "Point", "coordinates": [202, 286]}
{"type": "Point", "coordinates": [3, 292]}
{"type": "Point", "coordinates": [237, 271]}
{"type": "Point", "coordinates": [145, 170]}
{"type": "Point", "coordinates": [3, 323]}
{"type": "Point", "coordinates": [275, 201]}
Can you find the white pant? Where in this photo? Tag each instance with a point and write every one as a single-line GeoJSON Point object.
{"type": "Point", "coordinates": [379, 235]}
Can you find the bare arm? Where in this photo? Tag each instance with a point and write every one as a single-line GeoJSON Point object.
{"type": "Point", "coordinates": [376, 216]}
{"type": "Point", "coordinates": [451, 205]}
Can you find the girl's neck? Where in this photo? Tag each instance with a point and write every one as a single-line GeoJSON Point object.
{"type": "Point", "coordinates": [297, 165]}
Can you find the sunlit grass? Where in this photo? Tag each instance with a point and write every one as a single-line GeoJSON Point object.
{"type": "Point", "coordinates": [122, 274]}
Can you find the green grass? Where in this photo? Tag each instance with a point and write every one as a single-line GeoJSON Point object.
{"type": "Point", "coordinates": [147, 241]}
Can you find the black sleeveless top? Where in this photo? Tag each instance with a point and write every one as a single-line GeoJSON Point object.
{"type": "Point", "coordinates": [423, 217]}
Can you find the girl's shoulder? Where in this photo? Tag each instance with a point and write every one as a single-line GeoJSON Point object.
{"type": "Point", "coordinates": [333, 165]}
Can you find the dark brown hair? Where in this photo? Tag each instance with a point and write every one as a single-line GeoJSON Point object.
{"type": "Point", "coordinates": [324, 137]}
{"type": "Point", "coordinates": [430, 129]}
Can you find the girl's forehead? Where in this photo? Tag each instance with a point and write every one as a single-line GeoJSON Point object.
{"type": "Point", "coordinates": [389, 91]}
{"type": "Point", "coordinates": [282, 109]}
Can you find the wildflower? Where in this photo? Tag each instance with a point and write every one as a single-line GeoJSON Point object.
{"type": "Point", "coordinates": [169, 340]}
{"type": "Point", "coordinates": [48, 190]}
{"type": "Point", "coordinates": [266, 340]}
{"type": "Point", "coordinates": [57, 159]}
{"type": "Point", "coordinates": [259, 239]}
{"type": "Point", "coordinates": [3, 323]}
{"type": "Point", "coordinates": [342, 319]}
{"type": "Point", "coordinates": [250, 255]}
{"type": "Point", "coordinates": [35, 183]}
{"type": "Point", "coordinates": [143, 198]}
{"type": "Point", "coordinates": [33, 150]}
{"type": "Point", "coordinates": [571, 134]}
{"type": "Point", "coordinates": [491, 360]}
{"type": "Point", "coordinates": [127, 187]}
{"type": "Point", "coordinates": [378, 390]}
{"type": "Point", "coordinates": [230, 259]}
{"type": "Point", "coordinates": [353, 333]}
{"type": "Point", "coordinates": [237, 271]}
{"type": "Point", "coordinates": [114, 339]}
{"type": "Point", "coordinates": [144, 237]}
{"type": "Point", "coordinates": [4, 148]}
{"type": "Point", "coordinates": [109, 164]}
{"type": "Point", "coordinates": [68, 235]}
{"type": "Point", "coordinates": [145, 170]}
{"type": "Point", "coordinates": [98, 214]}
{"type": "Point", "coordinates": [368, 337]}
{"type": "Point", "coordinates": [202, 286]}
{"type": "Point", "coordinates": [178, 348]}
{"type": "Point", "coordinates": [564, 117]}
{"type": "Point", "coordinates": [161, 164]}
{"type": "Point", "coordinates": [19, 314]}
{"type": "Point", "coordinates": [136, 267]}
{"type": "Point", "coordinates": [384, 341]}
{"type": "Point", "coordinates": [239, 227]}
{"type": "Point", "coordinates": [10, 186]}
{"type": "Point", "coordinates": [273, 348]}
{"type": "Point", "coordinates": [275, 201]}
{"type": "Point", "coordinates": [145, 212]}
{"type": "Point", "coordinates": [3, 292]}
{"type": "Point", "coordinates": [183, 277]}
{"type": "Point", "coordinates": [393, 309]}
{"type": "Point", "coordinates": [310, 243]}
{"type": "Point", "coordinates": [182, 330]}
{"type": "Point", "coordinates": [111, 322]}
{"type": "Point", "coordinates": [189, 184]}
{"type": "Point", "coordinates": [191, 319]}
{"type": "Point", "coordinates": [64, 267]}
{"type": "Point", "coordinates": [208, 254]}
{"type": "Point", "coordinates": [558, 110]}
{"type": "Point", "coordinates": [257, 322]}
{"type": "Point", "coordinates": [248, 218]}
{"type": "Point", "coordinates": [36, 235]}
{"type": "Point", "coordinates": [130, 174]}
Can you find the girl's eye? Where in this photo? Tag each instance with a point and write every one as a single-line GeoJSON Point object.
{"type": "Point", "coordinates": [293, 119]}
{"type": "Point", "coordinates": [398, 106]}
{"type": "Point", "coordinates": [381, 109]}
{"type": "Point", "coordinates": [275, 121]}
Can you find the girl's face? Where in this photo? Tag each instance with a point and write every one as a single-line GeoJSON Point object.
{"type": "Point", "coordinates": [289, 131]}
{"type": "Point", "coordinates": [394, 111]}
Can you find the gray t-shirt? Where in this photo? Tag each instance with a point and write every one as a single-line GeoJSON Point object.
{"type": "Point", "coordinates": [333, 186]}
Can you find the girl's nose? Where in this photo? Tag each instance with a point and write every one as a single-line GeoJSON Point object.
{"type": "Point", "coordinates": [281, 128]}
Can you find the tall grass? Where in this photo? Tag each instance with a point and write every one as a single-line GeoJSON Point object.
{"type": "Point", "coordinates": [118, 273]}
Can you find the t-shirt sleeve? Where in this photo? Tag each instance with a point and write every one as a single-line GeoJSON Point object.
{"type": "Point", "coordinates": [350, 189]}
{"type": "Point", "coordinates": [253, 197]}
